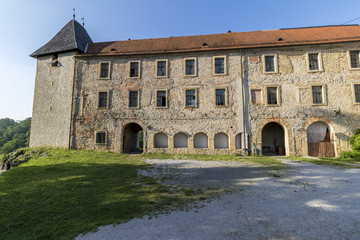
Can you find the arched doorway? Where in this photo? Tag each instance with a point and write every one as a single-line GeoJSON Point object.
{"type": "Point", "coordinates": [133, 138]}
{"type": "Point", "coordinates": [320, 143]}
{"type": "Point", "coordinates": [273, 139]}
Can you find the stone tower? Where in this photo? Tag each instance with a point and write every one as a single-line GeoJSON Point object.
{"type": "Point", "coordinates": [55, 74]}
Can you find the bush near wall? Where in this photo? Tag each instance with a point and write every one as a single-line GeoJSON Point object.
{"type": "Point", "coordinates": [355, 147]}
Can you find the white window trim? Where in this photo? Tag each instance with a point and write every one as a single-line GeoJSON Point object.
{"type": "Point", "coordinates": [324, 96]}
{"type": "Point", "coordinates": [107, 100]}
{"type": "Point", "coordinates": [99, 70]}
{"type": "Point", "coordinates": [226, 97]}
{"type": "Point", "coordinates": [196, 98]}
{"type": "Point", "coordinates": [138, 99]}
{"type": "Point", "coordinates": [353, 92]}
{"type": "Point", "coordinates": [195, 66]}
{"type": "Point", "coordinates": [276, 70]}
{"type": "Point", "coordinates": [225, 66]}
{"type": "Point", "coordinates": [349, 59]}
{"type": "Point", "coordinates": [167, 68]}
{"type": "Point", "coordinates": [139, 69]}
{"type": "Point", "coordinates": [261, 95]}
{"type": "Point", "coordinates": [106, 138]}
{"type": "Point", "coordinates": [319, 62]}
{"type": "Point", "coordinates": [167, 99]}
{"type": "Point", "coordinates": [277, 96]}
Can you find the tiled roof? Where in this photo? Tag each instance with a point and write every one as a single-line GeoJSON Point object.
{"type": "Point", "coordinates": [239, 40]}
{"type": "Point", "coordinates": [71, 37]}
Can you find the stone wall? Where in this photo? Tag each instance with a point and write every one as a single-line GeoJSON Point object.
{"type": "Point", "coordinates": [51, 116]}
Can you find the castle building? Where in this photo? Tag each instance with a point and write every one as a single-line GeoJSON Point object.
{"type": "Point", "coordinates": [286, 92]}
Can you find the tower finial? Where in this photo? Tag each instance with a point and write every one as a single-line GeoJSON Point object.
{"type": "Point", "coordinates": [83, 21]}
{"type": "Point", "coordinates": [73, 13]}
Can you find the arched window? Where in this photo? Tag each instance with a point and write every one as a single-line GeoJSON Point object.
{"type": "Point", "coordinates": [221, 141]}
{"type": "Point", "coordinates": [201, 140]}
{"type": "Point", "coordinates": [180, 140]}
{"type": "Point", "coordinates": [161, 140]}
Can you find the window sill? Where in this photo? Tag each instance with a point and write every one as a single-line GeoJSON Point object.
{"type": "Point", "coordinates": [314, 71]}
{"type": "Point", "coordinates": [165, 107]}
{"type": "Point", "coordinates": [219, 74]}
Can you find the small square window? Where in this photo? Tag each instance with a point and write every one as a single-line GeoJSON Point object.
{"type": "Point", "coordinates": [220, 97]}
{"type": "Point", "coordinates": [354, 59]}
{"type": "Point", "coordinates": [190, 98]}
{"type": "Point", "coordinates": [104, 70]}
{"type": "Point", "coordinates": [357, 93]}
{"type": "Point", "coordinates": [100, 137]}
{"type": "Point", "coordinates": [219, 65]}
{"type": "Point", "coordinates": [55, 60]}
{"type": "Point", "coordinates": [317, 94]}
{"type": "Point", "coordinates": [272, 95]}
{"type": "Point", "coordinates": [134, 69]}
{"type": "Point", "coordinates": [256, 96]}
{"type": "Point", "coordinates": [190, 68]}
{"type": "Point", "coordinates": [133, 99]}
{"type": "Point", "coordinates": [103, 100]}
{"type": "Point", "coordinates": [161, 68]}
{"type": "Point", "coordinates": [161, 98]}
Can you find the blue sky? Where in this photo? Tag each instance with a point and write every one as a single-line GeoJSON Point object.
{"type": "Point", "coordinates": [27, 25]}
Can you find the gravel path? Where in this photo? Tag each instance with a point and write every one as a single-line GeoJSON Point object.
{"type": "Point", "coordinates": [307, 201]}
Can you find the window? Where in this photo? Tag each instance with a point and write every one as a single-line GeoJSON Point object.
{"type": "Point", "coordinates": [220, 97]}
{"type": "Point", "coordinates": [190, 98]}
{"type": "Point", "coordinates": [133, 99]}
{"type": "Point", "coordinates": [318, 94]}
{"type": "Point", "coordinates": [219, 66]}
{"type": "Point", "coordinates": [104, 72]}
{"type": "Point", "coordinates": [134, 69]}
{"type": "Point", "coordinates": [103, 100]}
{"type": "Point", "coordinates": [101, 137]}
{"type": "Point", "coordinates": [314, 62]}
{"type": "Point", "coordinates": [357, 93]}
{"type": "Point", "coordinates": [161, 98]}
{"type": "Point", "coordinates": [255, 96]}
{"type": "Point", "coordinates": [354, 59]}
{"type": "Point", "coordinates": [161, 68]}
{"type": "Point", "coordinates": [55, 60]}
{"type": "Point", "coordinates": [190, 67]}
{"type": "Point", "coordinates": [270, 63]}
{"type": "Point", "coordinates": [272, 93]}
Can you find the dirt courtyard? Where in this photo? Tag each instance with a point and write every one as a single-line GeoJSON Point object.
{"type": "Point", "coordinates": [305, 201]}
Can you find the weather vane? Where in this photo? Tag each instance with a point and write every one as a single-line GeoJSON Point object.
{"type": "Point", "coordinates": [73, 13]}
{"type": "Point", "coordinates": [83, 21]}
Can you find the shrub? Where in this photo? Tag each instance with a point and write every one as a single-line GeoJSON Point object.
{"type": "Point", "coordinates": [355, 141]}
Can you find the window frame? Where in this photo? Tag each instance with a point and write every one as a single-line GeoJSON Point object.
{"type": "Point", "coordinates": [99, 70]}
{"type": "Point", "coordinates": [319, 59]}
{"type": "Point", "coordinates": [196, 97]}
{"type": "Point", "coordinates": [263, 57]}
{"type": "Point", "coordinates": [166, 68]}
{"type": "Point", "coordinates": [106, 138]}
{"type": "Point", "coordinates": [261, 95]}
{"type": "Point", "coordinates": [137, 100]}
{"type": "Point", "coordinates": [323, 92]}
{"type": "Point", "coordinates": [277, 95]}
{"type": "Point", "coordinates": [354, 93]}
{"type": "Point", "coordinates": [166, 98]}
{"type": "Point", "coordinates": [195, 67]}
{"type": "Point", "coordinates": [107, 100]}
{"type": "Point", "coordinates": [349, 58]}
{"type": "Point", "coordinates": [225, 95]}
{"type": "Point", "coordinates": [139, 69]}
{"type": "Point", "coordinates": [214, 67]}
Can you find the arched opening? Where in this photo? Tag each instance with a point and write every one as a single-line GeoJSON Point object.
{"type": "Point", "coordinates": [221, 141]}
{"type": "Point", "coordinates": [201, 140]}
{"type": "Point", "coordinates": [161, 140]}
{"type": "Point", "coordinates": [319, 140]}
{"type": "Point", "coordinates": [273, 139]}
{"type": "Point", "coordinates": [238, 141]}
{"type": "Point", "coordinates": [133, 138]}
{"type": "Point", "coordinates": [180, 140]}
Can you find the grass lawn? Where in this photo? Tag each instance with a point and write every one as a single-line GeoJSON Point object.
{"type": "Point", "coordinates": [341, 162]}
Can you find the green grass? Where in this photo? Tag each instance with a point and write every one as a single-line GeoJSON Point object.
{"type": "Point", "coordinates": [63, 193]}
{"type": "Point", "coordinates": [343, 162]}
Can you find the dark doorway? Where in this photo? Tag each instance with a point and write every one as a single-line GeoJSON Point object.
{"type": "Point", "coordinates": [133, 138]}
{"type": "Point", "coordinates": [273, 139]}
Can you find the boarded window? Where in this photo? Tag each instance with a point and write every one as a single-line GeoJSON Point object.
{"type": "Point", "coordinates": [272, 95]}
{"type": "Point", "coordinates": [269, 64]}
{"type": "Point", "coordinates": [354, 59]}
{"type": "Point", "coordinates": [161, 68]}
{"type": "Point", "coordinates": [317, 92]}
{"type": "Point", "coordinates": [101, 137]}
{"type": "Point", "coordinates": [255, 96]}
{"type": "Point", "coordinates": [180, 140]}
{"type": "Point", "coordinates": [190, 98]}
{"type": "Point", "coordinates": [357, 93]}
{"type": "Point", "coordinates": [161, 140]}
{"type": "Point", "coordinates": [134, 69]}
{"type": "Point", "coordinates": [190, 67]}
{"type": "Point", "coordinates": [133, 98]}
{"type": "Point", "coordinates": [219, 65]}
{"type": "Point", "coordinates": [221, 141]}
{"type": "Point", "coordinates": [220, 97]}
{"type": "Point", "coordinates": [238, 141]}
{"type": "Point", "coordinates": [161, 98]}
{"type": "Point", "coordinates": [104, 70]}
{"type": "Point", "coordinates": [200, 140]}
{"type": "Point", "coordinates": [103, 98]}
{"type": "Point", "coordinates": [313, 61]}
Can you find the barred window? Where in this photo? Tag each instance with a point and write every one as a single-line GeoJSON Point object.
{"type": "Point", "coordinates": [133, 98]}
{"type": "Point", "coordinates": [103, 98]}
{"type": "Point", "coordinates": [272, 95]}
{"type": "Point", "coordinates": [134, 69]}
{"type": "Point", "coordinates": [317, 92]}
{"type": "Point", "coordinates": [357, 93]}
{"type": "Point", "coordinates": [269, 64]}
{"type": "Point", "coordinates": [104, 70]}
{"type": "Point", "coordinates": [314, 61]}
{"type": "Point", "coordinates": [161, 68]}
{"type": "Point", "coordinates": [220, 97]}
{"type": "Point", "coordinates": [161, 98]}
{"type": "Point", "coordinates": [101, 137]}
{"type": "Point", "coordinates": [190, 100]}
{"type": "Point", "coordinates": [354, 59]}
{"type": "Point", "coordinates": [190, 67]}
{"type": "Point", "coordinates": [219, 65]}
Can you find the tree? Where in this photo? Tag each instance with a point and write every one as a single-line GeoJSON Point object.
{"type": "Point", "coordinates": [14, 134]}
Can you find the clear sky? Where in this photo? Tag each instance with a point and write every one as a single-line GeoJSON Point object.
{"type": "Point", "coordinates": [27, 25]}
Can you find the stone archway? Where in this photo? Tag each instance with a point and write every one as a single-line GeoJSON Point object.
{"type": "Point", "coordinates": [273, 139]}
{"type": "Point", "coordinates": [133, 138]}
{"type": "Point", "coordinates": [320, 140]}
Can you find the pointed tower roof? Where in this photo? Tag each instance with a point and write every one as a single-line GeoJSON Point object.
{"type": "Point", "coordinates": [71, 37]}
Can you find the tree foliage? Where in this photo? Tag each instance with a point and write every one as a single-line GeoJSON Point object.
{"type": "Point", "coordinates": [14, 134]}
{"type": "Point", "coordinates": [355, 141]}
